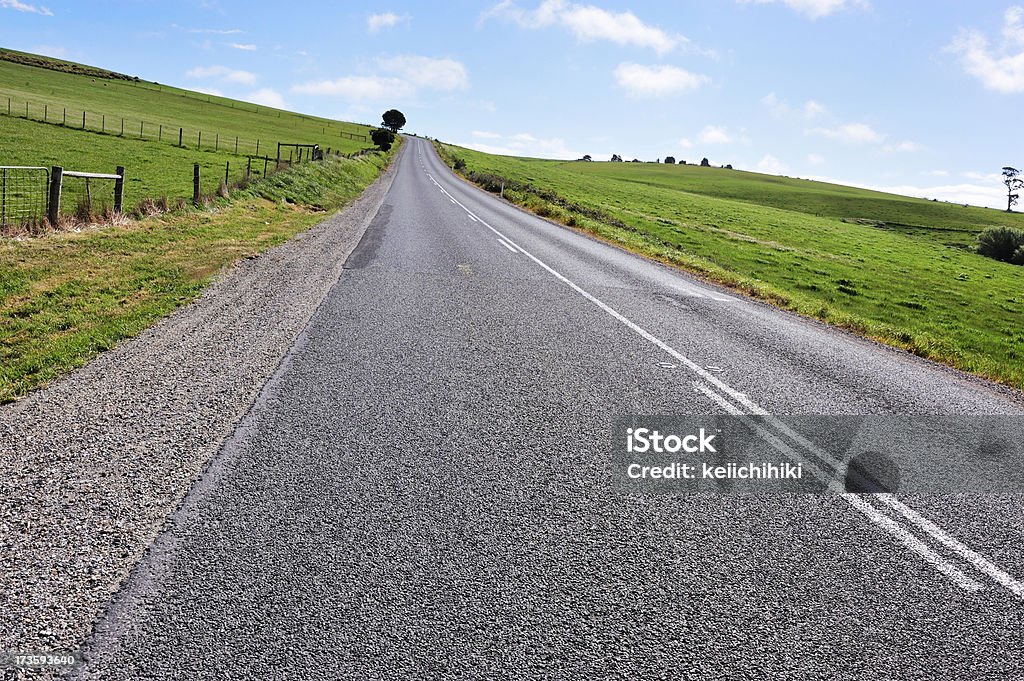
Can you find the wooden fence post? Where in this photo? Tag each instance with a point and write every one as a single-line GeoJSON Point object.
{"type": "Point", "coordinates": [216, 142]}
{"type": "Point", "coordinates": [266, 160]}
{"type": "Point", "coordinates": [227, 167]}
{"type": "Point", "coordinates": [236, 146]}
{"type": "Point", "coordinates": [141, 124]}
{"type": "Point", "coordinates": [257, 147]}
{"type": "Point", "coordinates": [180, 132]}
{"type": "Point", "coordinates": [196, 194]}
{"type": "Point", "coordinates": [119, 189]}
{"type": "Point", "coordinates": [160, 135]}
{"type": "Point", "coordinates": [248, 168]}
{"type": "Point", "coordinates": [83, 120]}
{"type": "Point", "coordinates": [103, 123]}
{"type": "Point", "coordinates": [200, 144]}
{"type": "Point", "coordinates": [53, 205]}
{"type": "Point", "coordinates": [46, 111]}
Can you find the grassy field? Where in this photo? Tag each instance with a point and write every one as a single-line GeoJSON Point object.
{"type": "Point", "coordinates": [68, 295]}
{"type": "Point", "coordinates": [155, 165]}
{"type": "Point", "coordinates": [896, 269]}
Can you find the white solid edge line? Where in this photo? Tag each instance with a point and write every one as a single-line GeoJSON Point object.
{"type": "Point", "coordinates": [507, 245]}
{"type": "Point", "coordinates": [879, 519]}
{"type": "Point", "coordinates": [741, 398]}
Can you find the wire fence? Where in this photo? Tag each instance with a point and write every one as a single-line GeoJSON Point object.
{"type": "Point", "coordinates": [188, 137]}
{"type": "Point", "coordinates": [23, 195]}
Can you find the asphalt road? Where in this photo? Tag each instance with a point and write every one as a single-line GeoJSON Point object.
{"type": "Point", "coordinates": [423, 489]}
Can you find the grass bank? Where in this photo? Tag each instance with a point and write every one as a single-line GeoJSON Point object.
{"type": "Point", "coordinates": [66, 296]}
{"type": "Point", "coordinates": [895, 269]}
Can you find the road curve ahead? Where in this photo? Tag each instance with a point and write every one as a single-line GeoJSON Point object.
{"type": "Point", "coordinates": [423, 488]}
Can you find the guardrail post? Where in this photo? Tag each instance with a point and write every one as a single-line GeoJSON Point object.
{"type": "Point", "coordinates": [196, 196]}
{"type": "Point", "coordinates": [53, 205]}
{"type": "Point", "coordinates": [119, 190]}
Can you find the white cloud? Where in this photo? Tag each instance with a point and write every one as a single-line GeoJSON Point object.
{"type": "Point", "coordinates": [905, 146]}
{"type": "Point", "coordinates": [210, 91]}
{"type": "Point", "coordinates": [780, 109]}
{"type": "Point", "coordinates": [685, 143]}
{"type": "Point", "coordinates": [714, 134]}
{"type": "Point", "coordinates": [375, 22]}
{"type": "Point", "coordinates": [246, 47]}
{"type": "Point", "coordinates": [216, 31]}
{"type": "Point", "coordinates": [815, 159]}
{"type": "Point", "coordinates": [266, 97]}
{"type": "Point", "coordinates": [357, 88]}
{"type": "Point", "coordinates": [815, 9]}
{"type": "Point", "coordinates": [588, 23]}
{"type": "Point", "coordinates": [222, 73]}
{"type": "Point", "coordinates": [770, 164]}
{"type": "Point", "coordinates": [485, 135]}
{"type": "Point", "coordinates": [427, 72]}
{"type": "Point", "coordinates": [657, 80]}
{"type": "Point", "coordinates": [1000, 69]}
{"type": "Point", "coordinates": [812, 109]}
{"type": "Point", "coordinates": [991, 195]}
{"type": "Point", "coordinates": [527, 144]}
{"type": "Point", "coordinates": [851, 133]}
{"type": "Point", "coordinates": [400, 78]}
{"type": "Point", "coordinates": [936, 173]}
{"type": "Point", "coordinates": [25, 7]}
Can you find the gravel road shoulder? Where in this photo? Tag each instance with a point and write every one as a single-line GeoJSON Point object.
{"type": "Point", "coordinates": [91, 466]}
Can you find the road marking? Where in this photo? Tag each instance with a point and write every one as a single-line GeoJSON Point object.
{"type": "Point", "coordinates": [889, 525]}
{"type": "Point", "coordinates": [507, 245]}
{"type": "Point", "coordinates": [908, 539]}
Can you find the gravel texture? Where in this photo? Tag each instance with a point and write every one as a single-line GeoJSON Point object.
{"type": "Point", "coordinates": [91, 467]}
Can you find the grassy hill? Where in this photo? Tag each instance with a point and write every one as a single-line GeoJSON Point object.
{"type": "Point", "coordinates": [65, 296]}
{"type": "Point", "coordinates": [58, 93]}
{"type": "Point", "coordinates": [893, 268]}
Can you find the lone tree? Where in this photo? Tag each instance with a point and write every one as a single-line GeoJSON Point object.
{"type": "Point", "coordinates": [616, 158]}
{"type": "Point", "coordinates": [670, 159]}
{"type": "Point", "coordinates": [704, 163]}
{"type": "Point", "coordinates": [394, 120]}
{"type": "Point", "coordinates": [1011, 178]}
{"type": "Point", "coordinates": [383, 138]}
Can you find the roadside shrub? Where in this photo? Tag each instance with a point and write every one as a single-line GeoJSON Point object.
{"type": "Point", "coordinates": [458, 163]}
{"type": "Point", "coordinates": [1018, 256]}
{"type": "Point", "coordinates": [1000, 243]}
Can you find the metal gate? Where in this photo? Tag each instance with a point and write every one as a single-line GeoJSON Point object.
{"type": "Point", "coordinates": [24, 192]}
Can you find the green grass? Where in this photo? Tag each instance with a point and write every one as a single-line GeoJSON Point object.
{"type": "Point", "coordinates": [896, 269]}
{"type": "Point", "coordinates": [68, 295]}
{"type": "Point", "coordinates": [155, 165]}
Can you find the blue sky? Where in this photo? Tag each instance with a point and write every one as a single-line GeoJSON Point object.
{"type": "Point", "coordinates": [909, 96]}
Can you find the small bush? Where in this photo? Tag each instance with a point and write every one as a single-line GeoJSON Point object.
{"type": "Point", "coordinates": [1018, 256]}
{"type": "Point", "coordinates": [1000, 243]}
{"type": "Point", "coordinates": [459, 163]}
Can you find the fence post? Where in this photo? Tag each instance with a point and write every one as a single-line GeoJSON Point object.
{"type": "Point", "coordinates": [216, 142]}
{"type": "Point", "coordinates": [236, 146]}
{"type": "Point", "coordinates": [141, 124]}
{"type": "Point", "coordinates": [119, 189]}
{"type": "Point", "coordinates": [53, 205]}
{"type": "Point", "coordinates": [278, 153]}
{"type": "Point", "coordinates": [248, 168]}
{"type": "Point", "coordinates": [83, 120]}
{"type": "Point", "coordinates": [46, 112]}
{"type": "Point", "coordinates": [200, 145]}
{"type": "Point", "coordinates": [196, 195]}
{"type": "Point", "coordinates": [227, 167]}
{"type": "Point", "coordinates": [26, 109]}
{"type": "Point", "coordinates": [122, 126]}
{"type": "Point", "coordinates": [8, 106]}
{"type": "Point", "coordinates": [180, 132]}
{"type": "Point", "coordinates": [257, 147]}
{"type": "Point", "coordinates": [103, 123]}
{"type": "Point", "coordinates": [65, 122]}
{"type": "Point", "coordinates": [160, 135]}
{"type": "Point", "coordinates": [3, 199]}
{"type": "Point", "coordinates": [266, 160]}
